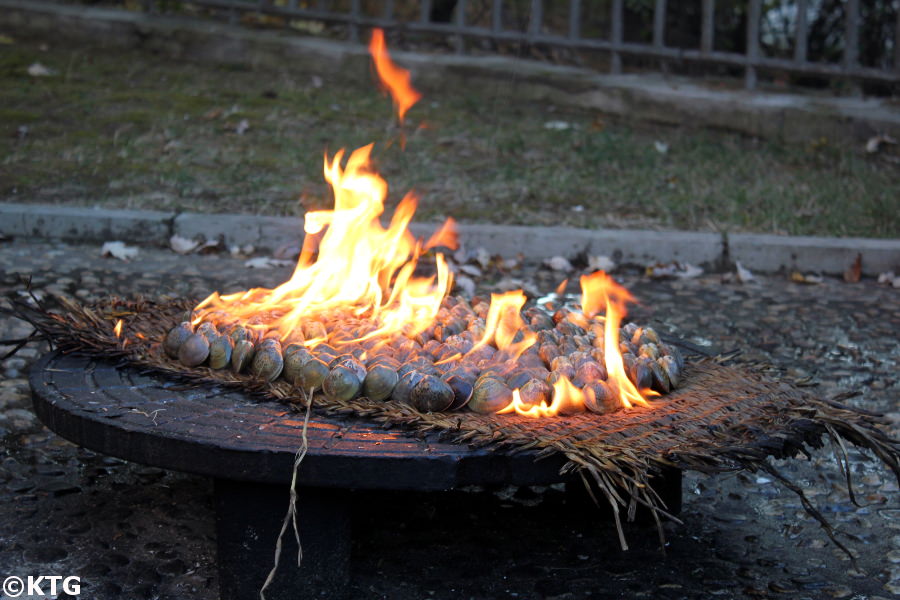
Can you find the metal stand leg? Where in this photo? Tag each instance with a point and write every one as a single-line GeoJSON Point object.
{"type": "Point", "coordinates": [248, 519]}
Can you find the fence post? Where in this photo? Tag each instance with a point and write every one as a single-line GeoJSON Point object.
{"type": "Point", "coordinates": [753, 16]}
{"type": "Point", "coordinates": [615, 63]}
{"type": "Point", "coordinates": [708, 26]}
{"type": "Point", "coordinates": [800, 36]}
{"type": "Point", "coordinates": [575, 19]}
{"type": "Point", "coordinates": [851, 35]}
{"type": "Point", "coordinates": [353, 29]}
{"type": "Point", "coordinates": [497, 15]}
{"type": "Point", "coordinates": [459, 43]}
{"type": "Point", "coordinates": [537, 16]}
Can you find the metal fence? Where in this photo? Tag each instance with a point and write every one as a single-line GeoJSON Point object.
{"type": "Point", "coordinates": [492, 27]}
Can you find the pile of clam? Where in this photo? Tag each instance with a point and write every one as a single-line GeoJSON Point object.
{"type": "Point", "coordinates": [440, 369]}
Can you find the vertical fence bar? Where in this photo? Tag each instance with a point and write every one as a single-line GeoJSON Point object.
{"type": "Point", "coordinates": [851, 35]}
{"type": "Point", "coordinates": [897, 44]}
{"type": "Point", "coordinates": [459, 44]}
{"type": "Point", "coordinates": [425, 11]}
{"type": "Point", "coordinates": [708, 26]}
{"type": "Point", "coordinates": [617, 16]}
{"type": "Point", "coordinates": [753, 15]}
{"type": "Point", "coordinates": [800, 35]}
{"type": "Point", "coordinates": [388, 9]}
{"type": "Point", "coordinates": [574, 19]}
{"type": "Point", "coordinates": [353, 28]}
{"type": "Point", "coordinates": [537, 18]}
{"type": "Point", "coordinates": [497, 15]}
{"type": "Point", "coordinates": [659, 23]}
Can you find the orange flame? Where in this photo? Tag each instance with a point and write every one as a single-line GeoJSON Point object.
{"type": "Point", "coordinates": [359, 267]}
{"type": "Point", "coordinates": [566, 397]}
{"type": "Point", "coordinates": [118, 328]}
{"type": "Point", "coordinates": [598, 290]}
{"type": "Point", "coordinates": [504, 325]}
{"type": "Point", "coordinates": [395, 79]}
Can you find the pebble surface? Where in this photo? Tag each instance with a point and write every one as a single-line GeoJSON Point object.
{"type": "Point", "coordinates": [138, 532]}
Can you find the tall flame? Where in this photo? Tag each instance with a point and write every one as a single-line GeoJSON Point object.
{"type": "Point", "coordinates": [355, 264]}
{"type": "Point", "coordinates": [395, 79]}
{"type": "Point", "coordinates": [504, 326]}
{"type": "Point", "coordinates": [598, 290]}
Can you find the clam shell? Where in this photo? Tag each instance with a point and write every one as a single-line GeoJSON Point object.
{"type": "Point", "coordinates": [661, 381]}
{"type": "Point", "coordinates": [220, 350]}
{"type": "Point", "coordinates": [535, 392]}
{"type": "Point", "coordinates": [489, 396]}
{"type": "Point", "coordinates": [176, 337]}
{"type": "Point", "coordinates": [518, 379]}
{"type": "Point", "coordinates": [294, 359]}
{"type": "Point", "coordinates": [405, 386]}
{"type": "Point", "coordinates": [432, 394]}
{"type": "Point", "coordinates": [267, 362]}
{"type": "Point", "coordinates": [194, 351]}
{"type": "Point", "coordinates": [242, 355]}
{"type": "Point", "coordinates": [462, 389]}
{"type": "Point", "coordinates": [641, 375]}
{"type": "Point", "coordinates": [589, 372]}
{"type": "Point", "coordinates": [311, 375]}
{"type": "Point", "coordinates": [208, 330]}
{"type": "Point", "coordinates": [341, 384]}
{"type": "Point", "coordinates": [599, 398]}
{"type": "Point", "coordinates": [380, 382]}
{"type": "Point", "coordinates": [671, 369]}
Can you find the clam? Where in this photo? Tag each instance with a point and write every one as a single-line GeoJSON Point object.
{"type": "Point", "coordinates": [311, 375]}
{"type": "Point", "coordinates": [641, 375]}
{"type": "Point", "coordinates": [348, 361]}
{"type": "Point", "coordinates": [518, 378]}
{"type": "Point", "coordinates": [313, 330]}
{"type": "Point", "coordinates": [671, 369]}
{"type": "Point", "coordinates": [650, 336]}
{"type": "Point", "coordinates": [380, 382]}
{"type": "Point", "coordinates": [541, 320]}
{"type": "Point", "coordinates": [176, 337]}
{"type": "Point", "coordinates": [220, 350]}
{"type": "Point", "coordinates": [661, 381]}
{"type": "Point", "coordinates": [588, 372]}
{"type": "Point", "coordinates": [242, 355]}
{"type": "Point", "coordinates": [341, 384]}
{"type": "Point", "coordinates": [599, 397]}
{"type": "Point", "coordinates": [489, 396]}
{"type": "Point", "coordinates": [267, 363]}
{"type": "Point", "coordinates": [208, 330]}
{"type": "Point", "coordinates": [405, 386]}
{"type": "Point", "coordinates": [417, 364]}
{"type": "Point", "coordinates": [432, 394]}
{"type": "Point", "coordinates": [294, 359]}
{"type": "Point", "coordinates": [650, 350]}
{"type": "Point", "coordinates": [238, 333]}
{"type": "Point", "coordinates": [675, 353]}
{"type": "Point", "coordinates": [535, 392]}
{"type": "Point", "coordinates": [194, 351]}
{"type": "Point", "coordinates": [462, 389]}
{"type": "Point", "coordinates": [563, 366]}
{"type": "Point", "coordinates": [548, 352]}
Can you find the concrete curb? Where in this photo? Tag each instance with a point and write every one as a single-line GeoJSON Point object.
{"type": "Point", "coordinates": [670, 100]}
{"type": "Point", "coordinates": [757, 252]}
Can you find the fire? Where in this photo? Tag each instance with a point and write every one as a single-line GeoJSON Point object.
{"type": "Point", "coordinates": [118, 328]}
{"type": "Point", "coordinates": [504, 325]}
{"type": "Point", "coordinates": [393, 78]}
{"type": "Point", "coordinates": [598, 290]}
{"type": "Point", "coordinates": [566, 399]}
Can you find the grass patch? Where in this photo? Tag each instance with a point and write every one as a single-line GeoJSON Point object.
{"type": "Point", "coordinates": [131, 129]}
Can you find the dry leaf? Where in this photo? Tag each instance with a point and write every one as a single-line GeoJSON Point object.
{"type": "Point", "coordinates": [266, 262]}
{"type": "Point", "coordinates": [809, 278]}
{"type": "Point", "coordinates": [182, 245]}
{"type": "Point", "coordinates": [118, 250]}
{"type": "Point", "coordinates": [854, 271]}
{"type": "Point", "coordinates": [559, 263]}
{"type": "Point", "coordinates": [39, 70]}
{"type": "Point", "coordinates": [215, 113]}
{"type": "Point", "coordinates": [874, 143]}
{"type": "Point", "coordinates": [242, 127]}
{"type": "Point", "coordinates": [601, 263]}
{"type": "Point", "coordinates": [557, 125]}
{"type": "Point", "coordinates": [287, 252]}
{"type": "Point", "coordinates": [743, 274]}
{"type": "Point", "coordinates": [465, 284]}
{"type": "Point", "coordinates": [471, 270]}
{"type": "Point", "coordinates": [673, 270]}
{"type": "Point", "coordinates": [661, 147]}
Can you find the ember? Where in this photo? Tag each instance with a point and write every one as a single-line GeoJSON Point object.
{"type": "Point", "coordinates": [355, 320]}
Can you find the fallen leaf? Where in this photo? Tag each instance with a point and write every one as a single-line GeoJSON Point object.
{"type": "Point", "coordinates": [874, 143]}
{"type": "Point", "coordinates": [287, 252]}
{"type": "Point", "coordinates": [214, 113]}
{"type": "Point", "coordinates": [471, 270]}
{"type": "Point", "coordinates": [266, 262]}
{"type": "Point", "coordinates": [211, 246]}
{"type": "Point", "coordinates": [557, 125]}
{"type": "Point", "coordinates": [601, 263]}
{"type": "Point", "coordinates": [887, 277]}
{"type": "Point", "coordinates": [316, 81]}
{"type": "Point", "coordinates": [559, 263]}
{"type": "Point", "coordinates": [661, 147]}
{"type": "Point", "coordinates": [118, 250]}
{"type": "Point", "coordinates": [578, 208]}
{"type": "Point", "coordinates": [242, 127]}
{"type": "Point", "coordinates": [482, 257]}
{"type": "Point", "coordinates": [674, 269]}
{"type": "Point", "coordinates": [743, 274]}
{"type": "Point", "coordinates": [39, 70]}
{"type": "Point", "coordinates": [854, 271]}
{"type": "Point", "coordinates": [465, 284]}
{"type": "Point", "coordinates": [182, 245]}
{"type": "Point", "coordinates": [808, 278]}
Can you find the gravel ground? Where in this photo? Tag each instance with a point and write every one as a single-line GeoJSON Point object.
{"type": "Point", "coordinates": [133, 531]}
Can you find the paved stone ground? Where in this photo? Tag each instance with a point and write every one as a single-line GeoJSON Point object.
{"type": "Point", "coordinates": [131, 531]}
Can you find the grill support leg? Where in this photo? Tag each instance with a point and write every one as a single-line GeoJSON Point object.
{"type": "Point", "coordinates": [248, 519]}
